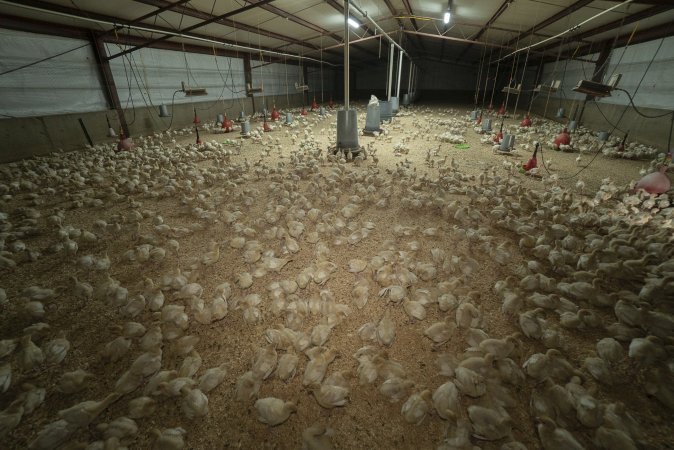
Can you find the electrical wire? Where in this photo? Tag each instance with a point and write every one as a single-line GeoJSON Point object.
{"type": "Point", "coordinates": [44, 59]}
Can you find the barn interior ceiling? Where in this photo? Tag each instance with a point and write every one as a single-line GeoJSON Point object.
{"type": "Point", "coordinates": [314, 30]}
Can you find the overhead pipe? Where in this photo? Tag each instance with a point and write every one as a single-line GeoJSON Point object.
{"type": "Point", "coordinates": [573, 28]}
{"type": "Point", "coordinates": [174, 34]}
{"type": "Point", "coordinates": [364, 14]}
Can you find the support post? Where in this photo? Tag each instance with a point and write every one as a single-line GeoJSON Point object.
{"type": "Point", "coordinates": [110, 89]}
{"type": "Point", "coordinates": [400, 73]}
{"type": "Point", "coordinates": [248, 77]}
{"type": "Point", "coordinates": [390, 73]}
{"type": "Point", "coordinates": [347, 75]}
{"type": "Point", "coordinates": [409, 78]}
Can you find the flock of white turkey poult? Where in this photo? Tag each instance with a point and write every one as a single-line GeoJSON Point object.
{"type": "Point", "coordinates": [270, 294]}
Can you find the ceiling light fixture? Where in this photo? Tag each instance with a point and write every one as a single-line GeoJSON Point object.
{"type": "Point", "coordinates": [353, 22]}
{"type": "Point", "coordinates": [448, 13]}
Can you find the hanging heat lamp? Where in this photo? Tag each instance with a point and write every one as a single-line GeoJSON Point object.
{"type": "Point", "coordinates": [563, 138]}
{"type": "Point", "coordinates": [275, 115]}
{"type": "Point", "coordinates": [196, 120]}
{"type": "Point", "coordinates": [314, 105]}
{"type": "Point", "coordinates": [227, 125]}
{"type": "Point", "coordinates": [111, 131]}
{"type": "Point", "coordinates": [526, 122]}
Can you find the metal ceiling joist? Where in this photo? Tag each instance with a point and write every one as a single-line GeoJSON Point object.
{"type": "Point", "coordinates": [649, 34]}
{"type": "Point", "coordinates": [188, 29]}
{"type": "Point", "coordinates": [188, 11]}
{"type": "Point", "coordinates": [550, 20]}
{"type": "Point", "coordinates": [408, 7]}
{"type": "Point", "coordinates": [87, 16]}
{"type": "Point", "coordinates": [486, 26]}
{"type": "Point", "coordinates": [298, 20]}
{"type": "Point", "coordinates": [646, 13]}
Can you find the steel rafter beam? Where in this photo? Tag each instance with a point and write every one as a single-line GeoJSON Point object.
{"type": "Point", "coordinates": [646, 13]}
{"type": "Point", "coordinates": [228, 22]}
{"type": "Point", "coordinates": [408, 7]}
{"type": "Point", "coordinates": [298, 20]}
{"type": "Point", "coordinates": [90, 16]}
{"type": "Point", "coordinates": [188, 29]}
{"type": "Point", "coordinates": [486, 26]}
{"type": "Point", "coordinates": [550, 20]}
{"type": "Point", "coordinates": [649, 34]}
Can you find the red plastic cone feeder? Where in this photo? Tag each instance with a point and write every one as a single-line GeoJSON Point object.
{"type": "Point", "coordinates": [479, 120]}
{"type": "Point", "coordinates": [501, 110]}
{"type": "Point", "coordinates": [275, 115]}
{"type": "Point", "coordinates": [314, 105]}
{"type": "Point", "coordinates": [196, 118]}
{"type": "Point", "coordinates": [125, 143]}
{"type": "Point", "coordinates": [499, 135]}
{"type": "Point", "coordinates": [526, 122]}
{"type": "Point", "coordinates": [563, 138]}
{"type": "Point", "coordinates": [227, 124]}
{"type": "Point", "coordinates": [330, 103]}
{"type": "Point", "coordinates": [532, 163]}
{"type": "Point", "coordinates": [491, 108]}
{"type": "Point", "coordinates": [304, 111]}
{"type": "Point", "coordinates": [656, 182]}
{"type": "Point", "coordinates": [265, 126]}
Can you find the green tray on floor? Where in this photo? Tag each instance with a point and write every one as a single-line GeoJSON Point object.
{"type": "Point", "coordinates": [462, 146]}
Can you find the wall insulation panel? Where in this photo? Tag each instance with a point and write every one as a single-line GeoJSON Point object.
{"type": "Point", "coordinates": [657, 88]}
{"type": "Point", "coordinates": [150, 77]}
{"type": "Point", "coordinates": [275, 78]}
{"type": "Point", "coordinates": [65, 84]}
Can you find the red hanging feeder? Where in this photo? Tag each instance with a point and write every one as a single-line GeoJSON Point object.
{"type": "Point", "coordinates": [330, 103]}
{"type": "Point", "coordinates": [196, 118]}
{"type": "Point", "coordinates": [304, 112]}
{"type": "Point", "coordinates": [501, 110]}
{"type": "Point", "coordinates": [479, 119]}
{"type": "Point", "coordinates": [275, 115]}
{"type": "Point", "coordinates": [533, 162]}
{"type": "Point", "coordinates": [526, 122]}
{"type": "Point", "coordinates": [198, 137]}
{"type": "Point", "coordinates": [499, 135]}
{"type": "Point", "coordinates": [314, 105]}
{"type": "Point", "coordinates": [491, 108]}
{"type": "Point", "coordinates": [125, 143]}
{"type": "Point", "coordinates": [655, 183]}
{"type": "Point", "coordinates": [563, 138]}
{"type": "Point", "coordinates": [227, 125]}
{"type": "Point", "coordinates": [265, 126]}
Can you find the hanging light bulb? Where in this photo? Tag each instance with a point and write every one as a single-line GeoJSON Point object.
{"type": "Point", "coordinates": [448, 13]}
{"type": "Point", "coordinates": [353, 22]}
